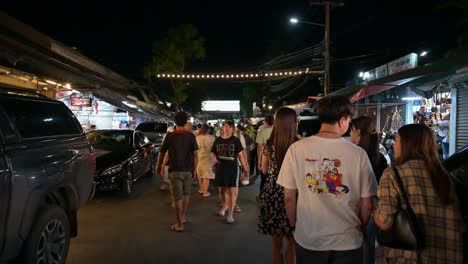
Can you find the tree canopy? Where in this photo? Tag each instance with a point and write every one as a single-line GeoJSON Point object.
{"type": "Point", "coordinates": [172, 54]}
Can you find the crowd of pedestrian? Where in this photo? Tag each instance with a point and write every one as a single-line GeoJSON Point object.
{"type": "Point", "coordinates": [323, 198]}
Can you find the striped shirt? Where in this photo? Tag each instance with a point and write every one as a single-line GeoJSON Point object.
{"type": "Point", "coordinates": [442, 224]}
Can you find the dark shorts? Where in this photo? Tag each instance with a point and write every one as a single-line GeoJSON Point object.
{"type": "Point", "coordinates": [227, 180]}
{"type": "Point", "coordinates": [329, 257]}
{"type": "Point", "coordinates": [180, 183]}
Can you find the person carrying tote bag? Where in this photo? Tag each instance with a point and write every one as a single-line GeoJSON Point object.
{"type": "Point", "coordinates": [418, 192]}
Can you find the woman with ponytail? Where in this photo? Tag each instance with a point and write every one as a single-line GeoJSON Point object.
{"type": "Point", "coordinates": [364, 134]}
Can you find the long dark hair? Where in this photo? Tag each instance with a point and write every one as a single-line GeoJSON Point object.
{"type": "Point", "coordinates": [418, 143]}
{"type": "Point", "coordinates": [284, 133]}
{"type": "Point", "coordinates": [369, 137]}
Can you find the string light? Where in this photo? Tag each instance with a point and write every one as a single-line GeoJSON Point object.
{"type": "Point", "coordinates": [248, 75]}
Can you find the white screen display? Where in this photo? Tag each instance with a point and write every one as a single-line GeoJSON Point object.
{"type": "Point", "coordinates": [221, 106]}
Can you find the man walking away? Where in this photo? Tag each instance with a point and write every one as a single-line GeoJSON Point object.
{"type": "Point", "coordinates": [262, 136]}
{"type": "Point", "coordinates": [183, 158]}
{"type": "Point", "coordinates": [328, 188]}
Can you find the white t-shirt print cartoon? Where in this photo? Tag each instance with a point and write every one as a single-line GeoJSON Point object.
{"type": "Point", "coordinates": [325, 176]}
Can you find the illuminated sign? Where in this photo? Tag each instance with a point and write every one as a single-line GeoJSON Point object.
{"type": "Point", "coordinates": [221, 106]}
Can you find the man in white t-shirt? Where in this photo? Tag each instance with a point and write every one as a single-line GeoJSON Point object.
{"type": "Point", "coordinates": [328, 187]}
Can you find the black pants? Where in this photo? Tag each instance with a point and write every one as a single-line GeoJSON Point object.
{"type": "Point", "coordinates": [304, 256]}
{"type": "Point", "coordinates": [253, 161]}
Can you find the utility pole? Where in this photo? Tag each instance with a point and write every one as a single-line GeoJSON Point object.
{"type": "Point", "coordinates": [326, 54]}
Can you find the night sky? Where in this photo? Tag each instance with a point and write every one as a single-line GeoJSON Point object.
{"type": "Point", "coordinates": [119, 34]}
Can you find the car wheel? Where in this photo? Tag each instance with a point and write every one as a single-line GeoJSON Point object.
{"type": "Point", "coordinates": [49, 239]}
{"type": "Point", "coordinates": [127, 186]}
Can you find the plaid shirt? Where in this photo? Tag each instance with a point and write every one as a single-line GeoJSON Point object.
{"type": "Point", "coordinates": [442, 224]}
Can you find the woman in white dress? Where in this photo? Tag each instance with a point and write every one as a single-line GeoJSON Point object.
{"type": "Point", "coordinates": [205, 164]}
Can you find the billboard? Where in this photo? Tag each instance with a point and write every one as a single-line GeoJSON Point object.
{"type": "Point", "coordinates": [221, 106]}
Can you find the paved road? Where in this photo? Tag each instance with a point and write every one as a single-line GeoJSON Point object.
{"type": "Point", "coordinates": [113, 229]}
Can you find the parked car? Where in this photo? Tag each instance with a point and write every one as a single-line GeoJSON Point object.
{"type": "Point", "coordinates": [123, 156]}
{"type": "Point", "coordinates": [154, 131]}
{"type": "Point", "coordinates": [457, 165]}
{"type": "Point", "coordinates": [47, 168]}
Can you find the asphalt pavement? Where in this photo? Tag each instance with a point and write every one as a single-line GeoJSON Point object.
{"type": "Point", "coordinates": [114, 229]}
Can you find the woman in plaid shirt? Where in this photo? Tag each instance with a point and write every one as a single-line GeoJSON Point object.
{"type": "Point", "coordinates": [430, 195]}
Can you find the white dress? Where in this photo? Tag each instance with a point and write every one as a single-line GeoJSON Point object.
{"type": "Point", "coordinates": [205, 163]}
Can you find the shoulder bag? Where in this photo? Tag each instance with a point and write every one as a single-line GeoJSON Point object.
{"type": "Point", "coordinates": [406, 233]}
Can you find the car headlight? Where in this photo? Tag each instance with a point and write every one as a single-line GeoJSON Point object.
{"type": "Point", "coordinates": [112, 170]}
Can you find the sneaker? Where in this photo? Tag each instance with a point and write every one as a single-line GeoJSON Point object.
{"type": "Point", "coordinates": [237, 209]}
{"type": "Point", "coordinates": [230, 220]}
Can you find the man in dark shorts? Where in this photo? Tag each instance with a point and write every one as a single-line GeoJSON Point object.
{"type": "Point", "coordinates": [183, 158]}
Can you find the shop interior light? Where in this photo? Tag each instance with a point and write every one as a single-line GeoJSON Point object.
{"type": "Point", "coordinates": [129, 104]}
{"type": "Point", "coordinates": [51, 82]}
{"type": "Point", "coordinates": [424, 53]}
{"type": "Point", "coordinates": [361, 74]}
{"type": "Point", "coordinates": [68, 86]}
{"type": "Point", "coordinates": [410, 98]}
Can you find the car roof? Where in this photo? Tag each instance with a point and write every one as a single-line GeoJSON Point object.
{"type": "Point", "coordinates": [456, 159]}
{"type": "Point", "coordinates": [129, 131]}
{"type": "Point", "coordinates": [7, 91]}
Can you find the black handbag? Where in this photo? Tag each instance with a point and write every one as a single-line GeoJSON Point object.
{"type": "Point", "coordinates": [405, 233]}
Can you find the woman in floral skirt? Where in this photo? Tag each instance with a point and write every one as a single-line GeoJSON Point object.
{"type": "Point", "coordinates": [272, 218]}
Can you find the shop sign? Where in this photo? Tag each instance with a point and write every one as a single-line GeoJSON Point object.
{"type": "Point", "coordinates": [407, 62]}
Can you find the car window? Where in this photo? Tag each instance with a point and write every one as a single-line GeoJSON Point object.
{"type": "Point", "coordinates": [152, 127]}
{"type": "Point", "coordinates": [140, 139]}
{"type": "Point", "coordinates": [109, 140]}
{"type": "Point", "coordinates": [40, 119]}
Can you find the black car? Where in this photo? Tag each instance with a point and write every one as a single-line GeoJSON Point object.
{"type": "Point", "coordinates": [457, 165]}
{"type": "Point", "coordinates": [154, 131]}
{"type": "Point", "coordinates": [47, 168]}
{"type": "Point", "coordinates": [123, 156]}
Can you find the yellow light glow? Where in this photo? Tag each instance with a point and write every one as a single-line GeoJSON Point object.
{"type": "Point", "coordinates": [242, 75]}
{"type": "Point", "coordinates": [222, 76]}
{"type": "Point", "coordinates": [68, 86]}
{"type": "Point", "coordinates": [251, 75]}
{"type": "Point", "coordinates": [193, 76]}
{"type": "Point", "coordinates": [232, 75]}
{"type": "Point", "coordinates": [256, 75]}
{"type": "Point", "coordinates": [164, 75]}
{"type": "Point", "coordinates": [159, 75]}
{"type": "Point", "coordinates": [276, 74]}
{"type": "Point", "coordinates": [173, 75]}
{"type": "Point", "coordinates": [212, 76]}
{"type": "Point", "coordinates": [203, 76]}
{"type": "Point", "coordinates": [290, 73]}
{"type": "Point", "coordinates": [237, 75]}
{"type": "Point", "coordinates": [280, 73]}
{"type": "Point", "coordinates": [51, 82]}
{"type": "Point", "coordinates": [217, 76]}
{"type": "Point", "coordinates": [300, 72]}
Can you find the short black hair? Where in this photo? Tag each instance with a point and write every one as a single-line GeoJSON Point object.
{"type": "Point", "coordinates": [181, 118]}
{"type": "Point", "coordinates": [330, 109]}
{"type": "Point", "coordinates": [229, 122]}
{"type": "Point", "coordinates": [199, 125]}
{"type": "Point", "coordinates": [269, 119]}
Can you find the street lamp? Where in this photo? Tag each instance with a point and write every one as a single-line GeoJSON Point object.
{"type": "Point", "coordinates": [326, 53]}
{"type": "Point", "coordinates": [423, 53]}
{"type": "Point", "coordinates": [293, 20]}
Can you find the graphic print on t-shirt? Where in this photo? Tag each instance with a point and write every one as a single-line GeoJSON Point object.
{"type": "Point", "coordinates": [324, 176]}
{"type": "Point", "coordinates": [226, 151]}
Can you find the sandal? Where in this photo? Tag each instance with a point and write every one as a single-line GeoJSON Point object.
{"type": "Point", "coordinates": [176, 228]}
{"type": "Point", "coordinates": [206, 194]}
{"type": "Point", "coordinates": [237, 209]}
{"type": "Point", "coordinates": [222, 212]}
{"type": "Point", "coordinates": [230, 220]}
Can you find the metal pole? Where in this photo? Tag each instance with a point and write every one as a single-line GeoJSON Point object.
{"type": "Point", "coordinates": [326, 86]}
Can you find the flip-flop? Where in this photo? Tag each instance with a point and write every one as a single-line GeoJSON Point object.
{"type": "Point", "coordinates": [206, 194]}
{"type": "Point", "coordinates": [176, 229]}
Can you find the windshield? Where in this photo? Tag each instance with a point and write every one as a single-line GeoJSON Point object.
{"type": "Point", "coordinates": [110, 140]}
{"type": "Point", "coordinates": [152, 127]}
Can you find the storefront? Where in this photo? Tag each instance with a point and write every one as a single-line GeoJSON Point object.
{"type": "Point", "coordinates": [95, 113]}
